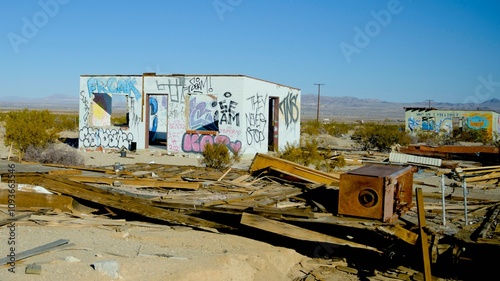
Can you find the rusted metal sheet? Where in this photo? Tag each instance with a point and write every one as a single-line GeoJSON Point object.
{"type": "Point", "coordinates": [264, 161]}
{"type": "Point", "coordinates": [381, 192]}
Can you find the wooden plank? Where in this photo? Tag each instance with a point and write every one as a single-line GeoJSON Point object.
{"type": "Point", "coordinates": [143, 182]}
{"type": "Point", "coordinates": [296, 232]}
{"type": "Point", "coordinates": [65, 172]}
{"type": "Point", "coordinates": [36, 251]}
{"type": "Point", "coordinates": [400, 232]}
{"type": "Point", "coordinates": [280, 194]}
{"type": "Point", "coordinates": [423, 235]}
{"type": "Point", "coordinates": [116, 200]}
{"type": "Point", "coordinates": [42, 200]}
{"type": "Point", "coordinates": [494, 175]}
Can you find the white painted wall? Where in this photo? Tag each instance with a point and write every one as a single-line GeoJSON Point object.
{"type": "Point", "coordinates": [232, 109]}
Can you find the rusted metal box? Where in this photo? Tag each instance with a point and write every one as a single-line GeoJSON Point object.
{"type": "Point", "coordinates": [382, 192]}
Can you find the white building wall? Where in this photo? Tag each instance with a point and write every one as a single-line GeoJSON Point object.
{"type": "Point", "coordinates": [256, 114]}
{"type": "Point", "coordinates": [190, 111]}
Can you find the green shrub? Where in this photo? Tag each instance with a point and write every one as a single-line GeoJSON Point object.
{"type": "Point", "coordinates": [337, 129]}
{"type": "Point", "coordinates": [218, 156]}
{"type": "Point", "coordinates": [311, 127]}
{"type": "Point", "coordinates": [67, 122]}
{"type": "Point", "coordinates": [306, 155]}
{"type": "Point", "coordinates": [27, 128]}
{"type": "Point", "coordinates": [380, 136]}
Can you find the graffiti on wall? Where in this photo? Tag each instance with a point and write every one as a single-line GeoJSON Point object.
{"type": "Point", "coordinates": [203, 114]}
{"type": "Point", "coordinates": [228, 113]}
{"type": "Point", "coordinates": [157, 117]}
{"type": "Point", "coordinates": [256, 119]}
{"type": "Point", "coordinates": [125, 85]}
{"type": "Point", "coordinates": [193, 142]}
{"type": "Point", "coordinates": [101, 109]}
{"type": "Point", "coordinates": [100, 137]}
{"type": "Point", "coordinates": [173, 87]}
{"type": "Point", "coordinates": [86, 109]}
{"type": "Point", "coordinates": [290, 109]}
{"type": "Point", "coordinates": [199, 85]}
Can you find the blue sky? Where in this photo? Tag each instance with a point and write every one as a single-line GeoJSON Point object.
{"type": "Point", "coordinates": [398, 51]}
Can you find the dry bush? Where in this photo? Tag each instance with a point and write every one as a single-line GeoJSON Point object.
{"type": "Point", "coordinates": [54, 154]}
{"type": "Point", "coordinates": [218, 156]}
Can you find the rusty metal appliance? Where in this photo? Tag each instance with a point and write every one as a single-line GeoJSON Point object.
{"type": "Point", "coordinates": [375, 191]}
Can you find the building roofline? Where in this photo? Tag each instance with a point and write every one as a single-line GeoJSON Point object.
{"type": "Point", "coordinates": [150, 74]}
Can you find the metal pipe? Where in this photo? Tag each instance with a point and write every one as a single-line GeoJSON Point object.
{"type": "Point", "coordinates": [442, 197]}
{"type": "Point", "coordinates": [464, 187]}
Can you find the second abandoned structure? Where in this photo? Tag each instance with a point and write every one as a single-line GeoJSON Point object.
{"type": "Point", "coordinates": [185, 112]}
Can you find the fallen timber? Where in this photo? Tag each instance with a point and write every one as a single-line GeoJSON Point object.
{"type": "Point", "coordinates": [307, 203]}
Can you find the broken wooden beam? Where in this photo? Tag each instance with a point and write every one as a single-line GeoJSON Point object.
{"type": "Point", "coordinates": [296, 232]}
{"type": "Point", "coordinates": [115, 200]}
{"type": "Point", "coordinates": [138, 182]}
{"type": "Point", "coordinates": [264, 161]}
{"type": "Point", "coordinates": [36, 251]}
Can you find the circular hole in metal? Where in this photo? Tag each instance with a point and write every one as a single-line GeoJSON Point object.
{"type": "Point", "coordinates": [368, 197]}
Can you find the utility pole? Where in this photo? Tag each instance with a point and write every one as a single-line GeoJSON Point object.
{"type": "Point", "coordinates": [429, 103]}
{"type": "Point", "coordinates": [319, 93]}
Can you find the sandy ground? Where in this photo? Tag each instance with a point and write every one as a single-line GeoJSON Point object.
{"type": "Point", "coordinates": [143, 251]}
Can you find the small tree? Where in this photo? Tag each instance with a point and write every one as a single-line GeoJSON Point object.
{"type": "Point", "coordinates": [25, 128]}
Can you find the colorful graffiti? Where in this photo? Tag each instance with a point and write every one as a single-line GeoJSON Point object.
{"type": "Point", "coordinates": [203, 113]}
{"type": "Point", "coordinates": [290, 109]}
{"type": "Point", "coordinates": [256, 119]}
{"type": "Point", "coordinates": [101, 109]}
{"type": "Point", "coordinates": [113, 85]}
{"type": "Point", "coordinates": [196, 142]}
{"type": "Point", "coordinates": [111, 138]}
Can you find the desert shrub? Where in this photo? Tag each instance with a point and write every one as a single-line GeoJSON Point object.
{"type": "Point", "coordinates": [218, 156]}
{"type": "Point", "coordinates": [380, 136]}
{"type": "Point", "coordinates": [338, 161]}
{"type": "Point", "coordinates": [311, 127]}
{"type": "Point", "coordinates": [471, 135]}
{"type": "Point", "coordinates": [27, 128]}
{"type": "Point", "coordinates": [306, 154]}
{"type": "Point", "coordinates": [337, 129]}
{"type": "Point", "coordinates": [67, 122]}
{"type": "Point", "coordinates": [54, 154]}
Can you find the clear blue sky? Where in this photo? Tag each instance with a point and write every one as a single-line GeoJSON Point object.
{"type": "Point", "coordinates": [398, 51]}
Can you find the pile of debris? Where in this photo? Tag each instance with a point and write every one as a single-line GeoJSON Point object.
{"type": "Point", "coordinates": [365, 213]}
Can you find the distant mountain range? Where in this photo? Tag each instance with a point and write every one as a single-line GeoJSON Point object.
{"type": "Point", "coordinates": [330, 107]}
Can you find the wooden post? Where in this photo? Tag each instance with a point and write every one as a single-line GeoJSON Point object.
{"type": "Point", "coordinates": [423, 235]}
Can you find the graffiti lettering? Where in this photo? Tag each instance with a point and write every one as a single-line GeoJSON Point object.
{"type": "Point", "coordinates": [196, 142]}
{"type": "Point", "coordinates": [254, 136]}
{"type": "Point", "coordinates": [227, 113]}
{"type": "Point", "coordinates": [113, 85]}
{"type": "Point", "coordinates": [111, 138]}
{"type": "Point", "coordinates": [256, 119]}
{"type": "Point", "coordinates": [86, 108]}
{"type": "Point", "coordinates": [290, 109]}
{"type": "Point", "coordinates": [174, 89]}
{"type": "Point", "coordinates": [197, 85]}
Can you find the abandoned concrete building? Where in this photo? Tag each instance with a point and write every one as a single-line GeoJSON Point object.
{"type": "Point", "coordinates": [446, 120]}
{"type": "Point", "coordinates": [185, 112]}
